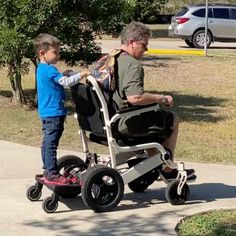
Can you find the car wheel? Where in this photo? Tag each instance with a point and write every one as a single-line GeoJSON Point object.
{"type": "Point", "coordinates": [199, 39]}
{"type": "Point", "coordinates": [190, 44]}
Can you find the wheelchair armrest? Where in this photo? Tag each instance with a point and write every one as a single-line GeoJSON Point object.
{"type": "Point", "coordinates": [133, 110]}
{"type": "Point", "coordinates": [153, 106]}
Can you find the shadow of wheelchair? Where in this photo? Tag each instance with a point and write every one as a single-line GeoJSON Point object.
{"type": "Point", "coordinates": [200, 193]}
{"type": "Point", "coordinates": [212, 191]}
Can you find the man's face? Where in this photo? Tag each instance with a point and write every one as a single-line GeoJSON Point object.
{"type": "Point", "coordinates": [139, 47]}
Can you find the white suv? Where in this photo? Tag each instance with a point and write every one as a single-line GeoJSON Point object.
{"type": "Point", "coordinates": [189, 24]}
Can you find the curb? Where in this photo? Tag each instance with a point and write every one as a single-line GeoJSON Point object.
{"type": "Point", "coordinates": [175, 52]}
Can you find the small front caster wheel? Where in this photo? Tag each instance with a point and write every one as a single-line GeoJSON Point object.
{"type": "Point", "coordinates": [172, 196]}
{"type": "Point", "coordinates": [33, 193]}
{"type": "Point", "coordinates": [50, 204]}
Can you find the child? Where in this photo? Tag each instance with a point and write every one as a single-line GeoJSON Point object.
{"type": "Point", "coordinates": [51, 97]}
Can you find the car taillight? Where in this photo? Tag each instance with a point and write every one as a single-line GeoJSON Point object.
{"type": "Point", "coordinates": [181, 20]}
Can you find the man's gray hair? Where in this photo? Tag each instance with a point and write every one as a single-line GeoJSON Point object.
{"type": "Point", "coordinates": [134, 31]}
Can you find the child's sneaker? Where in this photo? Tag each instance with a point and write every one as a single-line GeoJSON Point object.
{"type": "Point", "coordinates": [73, 179]}
{"type": "Point", "coordinates": [56, 179]}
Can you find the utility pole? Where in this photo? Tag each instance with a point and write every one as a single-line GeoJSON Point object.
{"type": "Point", "coordinates": [206, 29]}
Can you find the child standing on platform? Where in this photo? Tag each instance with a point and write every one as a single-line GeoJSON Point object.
{"type": "Point", "coordinates": [51, 98]}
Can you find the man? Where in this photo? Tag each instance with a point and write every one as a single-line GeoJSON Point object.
{"type": "Point", "coordinates": [160, 124]}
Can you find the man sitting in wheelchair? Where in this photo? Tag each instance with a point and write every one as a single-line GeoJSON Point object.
{"type": "Point", "coordinates": [160, 124]}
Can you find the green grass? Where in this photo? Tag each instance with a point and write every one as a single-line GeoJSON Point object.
{"type": "Point", "coordinates": [22, 125]}
{"type": "Point", "coordinates": [204, 91]}
{"type": "Point", "coordinates": [210, 223]}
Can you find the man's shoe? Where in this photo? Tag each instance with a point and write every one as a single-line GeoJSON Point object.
{"type": "Point", "coordinates": [169, 176]}
{"type": "Point", "coordinates": [57, 179]}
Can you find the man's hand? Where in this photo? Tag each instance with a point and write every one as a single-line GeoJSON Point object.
{"type": "Point", "coordinates": [167, 101]}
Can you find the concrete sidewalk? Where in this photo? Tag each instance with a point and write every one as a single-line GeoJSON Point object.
{"type": "Point", "coordinates": [137, 214]}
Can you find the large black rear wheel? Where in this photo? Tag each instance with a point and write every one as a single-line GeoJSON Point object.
{"type": "Point", "coordinates": [102, 188]}
{"type": "Point", "coordinates": [67, 163]}
{"type": "Point", "coordinates": [66, 166]}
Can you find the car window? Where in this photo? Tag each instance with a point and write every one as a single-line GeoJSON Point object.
{"type": "Point", "coordinates": [201, 13]}
{"type": "Point", "coordinates": [183, 11]}
{"type": "Point", "coordinates": [221, 13]}
{"type": "Point", "coordinates": [233, 14]}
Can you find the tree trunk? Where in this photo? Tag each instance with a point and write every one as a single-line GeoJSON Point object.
{"type": "Point", "coordinates": [14, 75]}
{"type": "Point", "coordinates": [35, 82]}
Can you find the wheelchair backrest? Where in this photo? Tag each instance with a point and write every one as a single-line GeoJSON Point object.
{"type": "Point", "coordinates": [88, 108]}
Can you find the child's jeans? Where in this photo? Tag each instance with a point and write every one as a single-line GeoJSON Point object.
{"type": "Point", "coordinates": [52, 128]}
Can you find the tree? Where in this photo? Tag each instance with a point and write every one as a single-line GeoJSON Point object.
{"type": "Point", "coordinates": [128, 10]}
{"type": "Point", "coordinates": [147, 11]}
{"type": "Point", "coordinates": [11, 52]}
{"type": "Point", "coordinates": [75, 22]}
{"type": "Point", "coordinates": [174, 6]}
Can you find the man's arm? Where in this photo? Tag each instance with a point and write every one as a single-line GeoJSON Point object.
{"type": "Point", "coordinates": [149, 98]}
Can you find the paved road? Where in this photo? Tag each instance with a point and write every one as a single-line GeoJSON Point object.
{"type": "Point", "coordinates": [168, 43]}
{"type": "Point", "coordinates": [138, 214]}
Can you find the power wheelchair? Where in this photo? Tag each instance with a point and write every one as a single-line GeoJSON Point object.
{"type": "Point", "coordinates": [101, 180]}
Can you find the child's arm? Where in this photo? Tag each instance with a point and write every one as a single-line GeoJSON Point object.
{"type": "Point", "coordinates": [71, 78]}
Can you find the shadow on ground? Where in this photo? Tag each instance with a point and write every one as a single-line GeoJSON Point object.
{"type": "Point", "coordinates": [5, 93]}
{"type": "Point", "coordinates": [157, 61]}
{"type": "Point", "coordinates": [199, 193]}
{"type": "Point", "coordinates": [212, 191]}
{"type": "Point", "coordinates": [6, 97]}
{"type": "Point", "coordinates": [129, 223]}
{"type": "Point", "coordinates": [104, 224]}
{"type": "Point", "coordinates": [195, 107]}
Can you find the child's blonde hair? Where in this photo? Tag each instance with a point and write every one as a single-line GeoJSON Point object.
{"type": "Point", "coordinates": [45, 42]}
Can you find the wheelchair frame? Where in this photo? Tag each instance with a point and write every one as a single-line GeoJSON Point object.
{"type": "Point", "coordinates": [144, 166]}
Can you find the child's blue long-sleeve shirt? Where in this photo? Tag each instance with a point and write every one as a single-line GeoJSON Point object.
{"type": "Point", "coordinates": [50, 88]}
{"type": "Point", "coordinates": [51, 94]}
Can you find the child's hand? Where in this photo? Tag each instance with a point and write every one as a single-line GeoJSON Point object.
{"type": "Point", "coordinates": [84, 74]}
{"type": "Point", "coordinates": [67, 72]}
